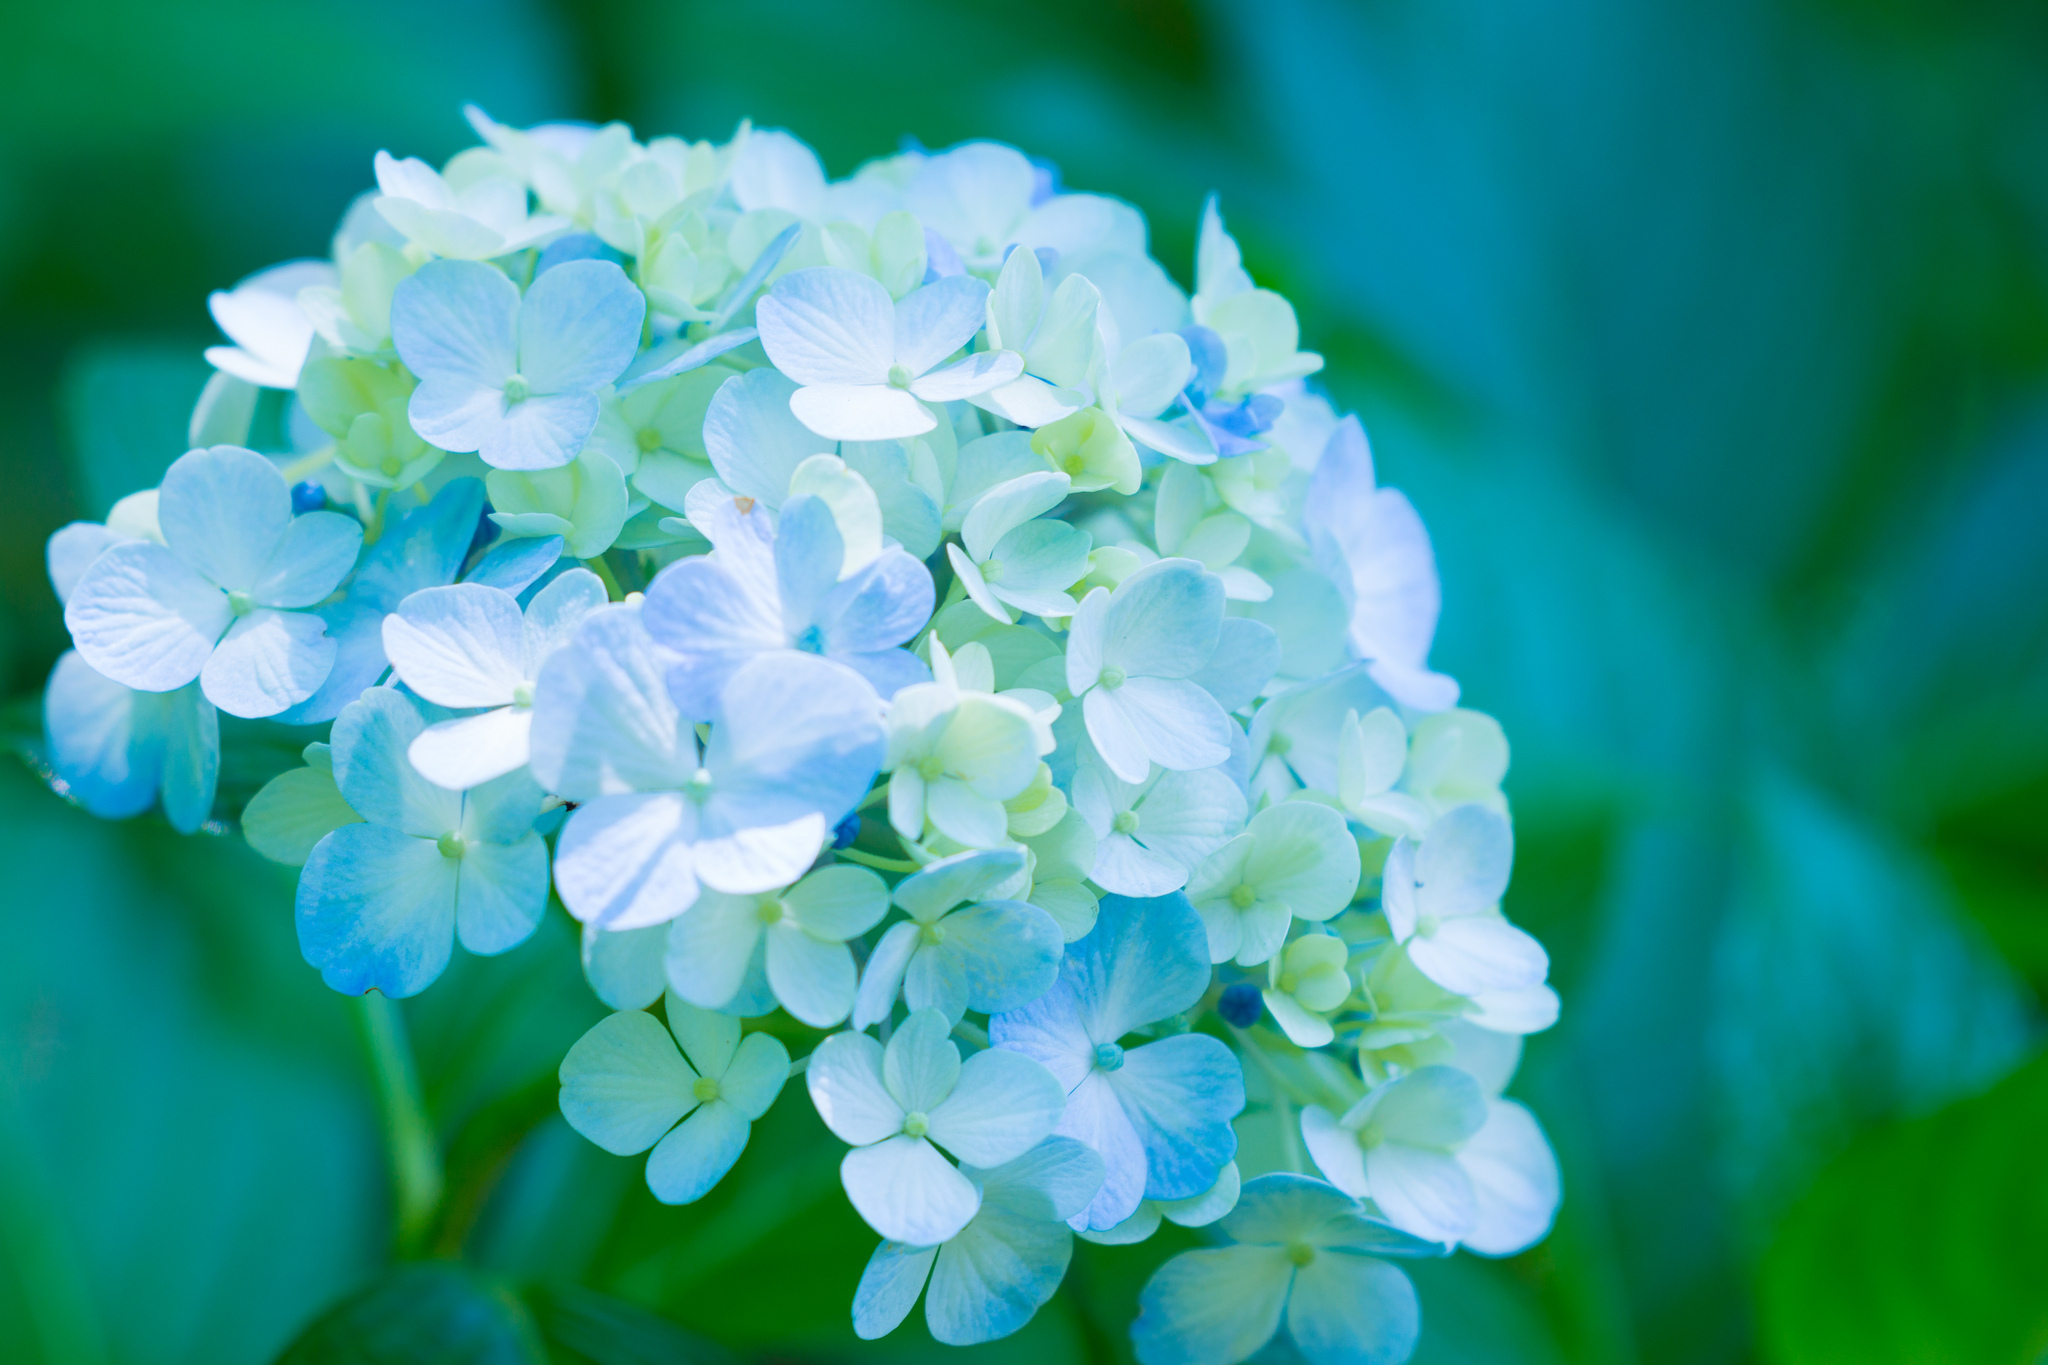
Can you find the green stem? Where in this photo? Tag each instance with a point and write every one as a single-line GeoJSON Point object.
{"type": "Point", "coordinates": [604, 574]}
{"type": "Point", "coordinates": [408, 1136]}
{"type": "Point", "coordinates": [1290, 1132]}
{"type": "Point", "coordinates": [874, 798]}
{"type": "Point", "coordinates": [880, 864]}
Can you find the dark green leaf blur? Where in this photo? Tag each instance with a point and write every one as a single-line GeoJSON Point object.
{"type": "Point", "coordinates": [1711, 340]}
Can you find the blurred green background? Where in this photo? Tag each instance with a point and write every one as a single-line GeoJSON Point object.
{"type": "Point", "coordinates": [1711, 341]}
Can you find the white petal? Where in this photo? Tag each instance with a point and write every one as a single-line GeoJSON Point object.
{"type": "Point", "coordinates": [1515, 1176]}
{"type": "Point", "coordinates": [861, 412]}
{"type": "Point", "coordinates": [624, 862]}
{"type": "Point", "coordinates": [1335, 1150]}
{"type": "Point", "coordinates": [844, 1076]}
{"type": "Point", "coordinates": [827, 326]}
{"type": "Point", "coordinates": [908, 1192]}
{"type": "Point", "coordinates": [267, 661]}
{"type": "Point", "coordinates": [141, 617]}
{"type": "Point", "coordinates": [458, 645]}
{"type": "Point", "coordinates": [1422, 1191]}
{"type": "Point", "coordinates": [225, 511]}
{"type": "Point", "coordinates": [472, 750]}
{"type": "Point", "coordinates": [1479, 953]}
{"type": "Point", "coordinates": [1001, 1107]}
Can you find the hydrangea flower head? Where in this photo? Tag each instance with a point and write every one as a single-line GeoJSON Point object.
{"type": "Point", "coordinates": [889, 602]}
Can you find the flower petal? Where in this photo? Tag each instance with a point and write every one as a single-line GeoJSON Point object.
{"type": "Point", "coordinates": [623, 1083]}
{"type": "Point", "coordinates": [1514, 1175]}
{"type": "Point", "coordinates": [455, 320]}
{"type": "Point", "coordinates": [844, 1076]}
{"type": "Point", "coordinates": [501, 893]}
{"type": "Point", "coordinates": [696, 1156]}
{"type": "Point", "coordinates": [579, 326]}
{"type": "Point", "coordinates": [861, 412]}
{"type": "Point", "coordinates": [828, 326]}
{"type": "Point", "coordinates": [889, 1287]}
{"type": "Point", "coordinates": [1353, 1310]}
{"type": "Point", "coordinates": [1002, 1105]}
{"type": "Point", "coordinates": [759, 1069]}
{"type": "Point", "coordinates": [143, 618]}
{"type": "Point", "coordinates": [458, 645]}
{"type": "Point", "coordinates": [908, 1192]}
{"type": "Point", "coordinates": [312, 557]}
{"type": "Point", "coordinates": [814, 980]}
{"type": "Point", "coordinates": [1213, 1306]}
{"type": "Point", "coordinates": [994, 1276]}
{"type": "Point", "coordinates": [922, 1063]}
{"type": "Point", "coordinates": [267, 661]}
{"type": "Point", "coordinates": [625, 862]}
{"type": "Point", "coordinates": [376, 909]}
{"type": "Point", "coordinates": [225, 511]}
{"type": "Point", "coordinates": [472, 750]}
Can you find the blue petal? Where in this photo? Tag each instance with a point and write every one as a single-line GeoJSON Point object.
{"type": "Point", "coordinates": [881, 605]}
{"type": "Point", "coordinates": [1181, 1094]}
{"type": "Point", "coordinates": [376, 908]}
{"type": "Point", "coordinates": [1145, 960]}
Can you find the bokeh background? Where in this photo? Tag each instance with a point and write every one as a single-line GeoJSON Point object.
{"type": "Point", "coordinates": [1711, 341]}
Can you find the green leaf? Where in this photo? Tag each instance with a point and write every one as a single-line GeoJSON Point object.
{"type": "Point", "coordinates": [610, 1331]}
{"type": "Point", "coordinates": [430, 1313]}
{"type": "Point", "coordinates": [1925, 1241]}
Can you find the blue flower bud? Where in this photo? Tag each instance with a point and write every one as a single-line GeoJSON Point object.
{"type": "Point", "coordinates": [308, 497]}
{"type": "Point", "coordinates": [846, 831]}
{"type": "Point", "coordinates": [1240, 1005]}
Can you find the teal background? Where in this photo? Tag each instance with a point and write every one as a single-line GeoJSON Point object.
{"type": "Point", "coordinates": [1712, 343]}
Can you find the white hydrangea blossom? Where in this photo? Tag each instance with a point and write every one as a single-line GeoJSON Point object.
{"type": "Point", "coordinates": [981, 653]}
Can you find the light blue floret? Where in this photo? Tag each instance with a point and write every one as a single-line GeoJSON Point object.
{"type": "Point", "coordinates": [1159, 1113]}
{"type": "Point", "coordinates": [381, 903]}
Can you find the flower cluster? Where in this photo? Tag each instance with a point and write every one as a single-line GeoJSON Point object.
{"type": "Point", "coordinates": [901, 625]}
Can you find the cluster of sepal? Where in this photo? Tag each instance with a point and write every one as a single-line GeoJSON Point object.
{"type": "Point", "coordinates": [889, 614]}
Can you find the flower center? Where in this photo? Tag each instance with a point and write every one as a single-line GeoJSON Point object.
{"type": "Point", "coordinates": [769, 911]}
{"type": "Point", "coordinates": [452, 845]}
{"type": "Point", "coordinates": [648, 440]}
{"type": "Point", "coordinates": [900, 376]}
{"type": "Point", "coordinates": [1427, 925]}
{"type": "Point", "coordinates": [931, 767]}
{"type": "Point", "coordinates": [1126, 822]}
{"type": "Point", "coordinates": [916, 1124]}
{"type": "Point", "coordinates": [1243, 897]}
{"type": "Point", "coordinates": [699, 785]}
{"type": "Point", "coordinates": [1279, 744]}
{"type": "Point", "coordinates": [522, 694]}
{"type": "Point", "coordinates": [1076, 463]}
{"type": "Point", "coordinates": [705, 1089]}
{"type": "Point", "coordinates": [1108, 1056]}
{"type": "Point", "coordinates": [991, 571]}
{"type": "Point", "coordinates": [811, 640]}
{"type": "Point", "coordinates": [1301, 1253]}
{"type": "Point", "coordinates": [1111, 678]}
{"type": "Point", "coordinates": [241, 603]}
{"type": "Point", "coordinates": [517, 390]}
{"type": "Point", "coordinates": [1288, 981]}
{"type": "Point", "coordinates": [390, 464]}
{"type": "Point", "coordinates": [933, 933]}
